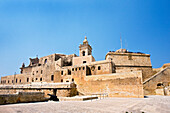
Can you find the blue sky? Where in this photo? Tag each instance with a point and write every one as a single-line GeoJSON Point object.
{"type": "Point", "coordinates": [43, 27]}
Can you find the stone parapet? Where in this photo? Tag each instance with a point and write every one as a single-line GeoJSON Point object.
{"type": "Point", "coordinates": [39, 86]}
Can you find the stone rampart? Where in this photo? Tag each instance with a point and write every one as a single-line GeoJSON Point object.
{"type": "Point", "coordinates": [22, 97]}
{"type": "Point", "coordinates": [115, 85]}
{"type": "Point", "coordinates": [160, 79]}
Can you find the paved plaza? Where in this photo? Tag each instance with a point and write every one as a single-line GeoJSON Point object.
{"type": "Point", "coordinates": [152, 104]}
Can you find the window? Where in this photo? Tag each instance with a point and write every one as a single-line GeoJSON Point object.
{"type": "Point", "coordinates": [16, 80]}
{"type": "Point", "coordinates": [79, 68]}
{"type": "Point", "coordinates": [61, 72]}
{"type": "Point", "coordinates": [12, 81]}
{"type": "Point", "coordinates": [159, 84]}
{"type": "Point", "coordinates": [40, 79]}
{"type": "Point", "coordinates": [83, 68]}
{"type": "Point", "coordinates": [99, 68]}
{"type": "Point", "coordinates": [36, 78]}
{"type": "Point", "coordinates": [69, 72]}
{"type": "Point", "coordinates": [45, 61]}
{"type": "Point", "coordinates": [52, 77]}
{"type": "Point", "coordinates": [83, 53]}
{"type": "Point", "coordinates": [37, 71]}
{"type": "Point", "coordinates": [8, 81]}
{"type": "Point", "coordinates": [27, 79]}
{"type": "Point", "coordinates": [73, 69]}
{"type": "Point", "coordinates": [76, 69]}
{"type": "Point", "coordinates": [41, 71]}
{"type": "Point", "coordinates": [20, 81]}
{"type": "Point", "coordinates": [61, 80]}
{"type": "Point", "coordinates": [84, 62]}
{"type": "Point", "coordinates": [72, 79]}
{"type": "Point", "coordinates": [67, 81]}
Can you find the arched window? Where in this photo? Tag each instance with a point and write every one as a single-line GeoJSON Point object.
{"type": "Point", "coordinates": [52, 77]}
{"type": "Point", "coordinates": [40, 79]}
{"type": "Point", "coordinates": [83, 53]}
{"type": "Point", "coordinates": [16, 80]}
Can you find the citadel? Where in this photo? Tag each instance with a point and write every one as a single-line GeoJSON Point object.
{"type": "Point", "coordinates": [121, 74]}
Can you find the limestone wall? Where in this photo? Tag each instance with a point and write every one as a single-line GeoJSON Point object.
{"type": "Point", "coordinates": [22, 97]}
{"type": "Point", "coordinates": [115, 85]}
{"type": "Point", "coordinates": [127, 62]}
{"type": "Point", "coordinates": [129, 59]}
{"type": "Point", "coordinates": [39, 73]}
{"type": "Point", "coordinates": [147, 72]}
{"type": "Point", "coordinates": [77, 61]}
{"type": "Point", "coordinates": [15, 79]}
{"type": "Point", "coordinates": [160, 78]}
{"type": "Point", "coordinates": [27, 70]}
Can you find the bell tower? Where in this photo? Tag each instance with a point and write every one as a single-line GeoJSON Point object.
{"type": "Point", "coordinates": [85, 49]}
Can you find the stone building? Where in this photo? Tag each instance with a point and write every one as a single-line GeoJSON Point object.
{"type": "Point", "coordinates": [121, 74]}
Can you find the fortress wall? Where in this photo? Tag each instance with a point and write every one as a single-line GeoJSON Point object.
{"type": "Point", "coordinates": [100, 67]}
{"type": "Point", "coordinates": [63, 92]}
{"type": "Point", "coordinates": [22, 97]}
{"type": "Point", "coordinates": [27, 70]}
{"type": "Point", "coordinates": [45, 71]}
{"type": "Point", "coordinates": [115, 85]}
{"type": "Point", "coordinates": [127, 62]}
{"type": "Point", "coordinates": [50, 59]}
{"type": "Point", "coordinates": [147, 72]}
{"type": "Point", "coordinates": [129, 59]}
{"type": "Point", "coordinates": [16, 79]}
{"type": "Point", "coordinates": [162, 77]}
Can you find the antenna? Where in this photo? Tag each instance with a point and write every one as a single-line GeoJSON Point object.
{"type": "Point", "coordinates": [121, 40]}
{"type": "Point", "coordinates": [126, 45]}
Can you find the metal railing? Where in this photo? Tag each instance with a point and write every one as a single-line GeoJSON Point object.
{"type": "Point", "coordinates": [99, 95]}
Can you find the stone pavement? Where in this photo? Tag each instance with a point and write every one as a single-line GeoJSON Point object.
{"type": "Point", "coordinates": [152, 104]}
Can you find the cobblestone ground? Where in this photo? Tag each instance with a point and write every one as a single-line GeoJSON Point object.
{"type": "Point", "coordinates": [152, 104]}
